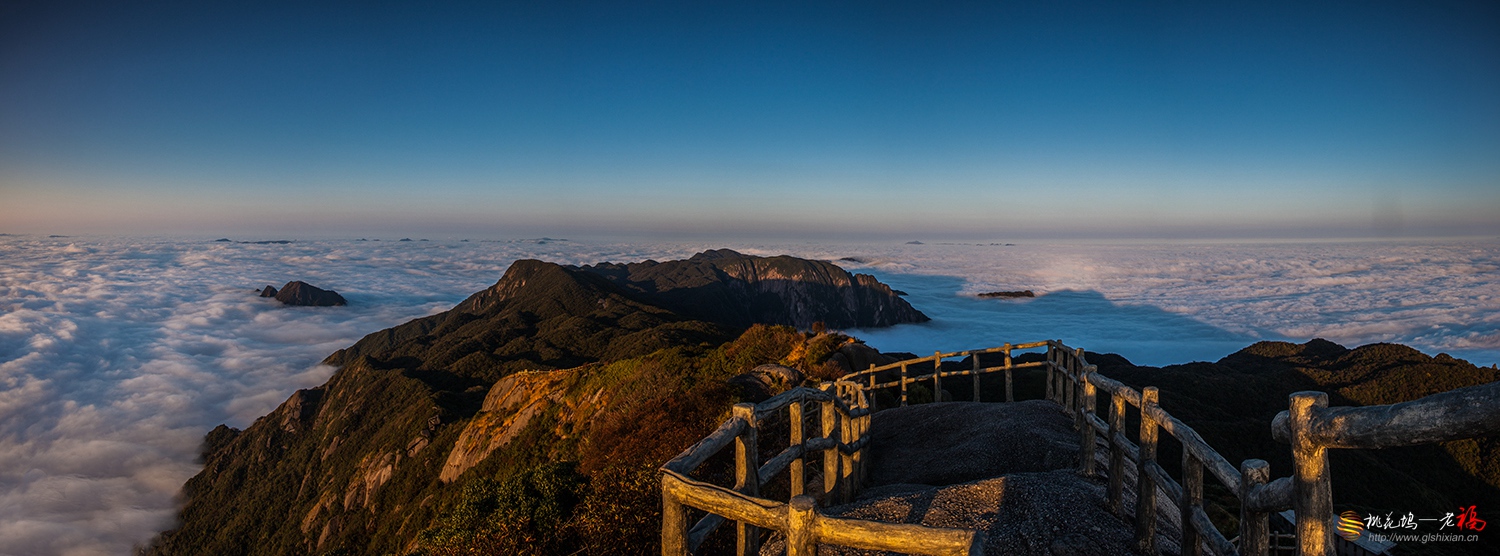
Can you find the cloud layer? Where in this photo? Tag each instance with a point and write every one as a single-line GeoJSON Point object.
{"type": "Point", "coordinates": [117, 355]}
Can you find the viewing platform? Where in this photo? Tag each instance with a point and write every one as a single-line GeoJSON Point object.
{"type": "Point", "coordinates": [873, 466]}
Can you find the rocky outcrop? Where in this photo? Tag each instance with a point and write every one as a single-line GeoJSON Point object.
{"type": "Point", "coordinates": [304, 294]}
{"type": "Point", "coordinates": [509, 407]}
{"type": "Point", "coordinates": [1009, 295]}
{"type": "Point", "coordinates": [765, 381]}
{"type": "Point", "coordinates": [739, 290]}
{"type": "Point", "coordinates": [269, 291]}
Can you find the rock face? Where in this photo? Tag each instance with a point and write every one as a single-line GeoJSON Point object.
{"type": "Point", "coordinates": [765, 381]}
{"type": "Point", "coordinates": [739, 290]}
{"type": "Point", "coordinates": [304, 294]}
{"type": "Point", "coordinates": [269, 291]}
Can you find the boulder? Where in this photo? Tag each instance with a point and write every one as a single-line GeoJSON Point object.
{"type": "Point", "coordinates": [765, 381]}
{"type": "Point", "coordinates": [858, 357]}
{"type": "Point", "coordinates": [305, 294]}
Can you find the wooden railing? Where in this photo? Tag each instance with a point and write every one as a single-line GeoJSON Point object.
{"type": "Point", "coordinates": [1311, 427]}
{"type": "Point", "coordinates": [846, 405]}
{"type": "Point", "coordinates": [904, 379]}
{"type": "Point", "coordinates": [843, 417]}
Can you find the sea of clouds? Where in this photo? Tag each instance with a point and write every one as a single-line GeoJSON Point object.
{"type": "Point", "coordinates": [117, 355]}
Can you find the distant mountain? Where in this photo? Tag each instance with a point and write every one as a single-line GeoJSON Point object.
{"type": "Point", "coordinates": [567, 385]}
{"type": "Point", "coordinates": [739, 290]}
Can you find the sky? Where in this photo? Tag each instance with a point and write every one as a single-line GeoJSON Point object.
{"type": "Point", "coordinates": [737, 119]}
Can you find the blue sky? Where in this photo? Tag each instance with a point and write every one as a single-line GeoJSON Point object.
{"type": "Point", "coordinates": [849, 120]}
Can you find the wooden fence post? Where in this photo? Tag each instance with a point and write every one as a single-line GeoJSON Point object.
{"type": "Point", "coordinates": [937, 374]}
{"type": "Point", "coordinates": [674, 525]}
{"type": "Point", "coordinates": [1075, 375]}
{"type": "Point", "coordinates": [1192, 497]}
{"type": "Point", "coordinates": [1313, 495]}
{"type": "Point", "coordinates": [795, 471]}
{"type": "Point", "coordinates": [872, 379]}
{"type": "Point", "coordinates": [1051, 371]}
{"type": "Point", "coordinates": [1255, 527]}
{"type": "Point", "coordinates": [1009, 394]}
{"type": "Point", "coordinates": [801, 539]}
{"type": "Point", "coordinates": [903, 385]}
{"type": "Point", "coordinates": [1116, 455]}
{"type": "Point", "coordinates": [976, 377]}
{"type": "Point", "coordinates": [846, 459]}
{"type": "Point", "coordinates": [1086, 465]}
{"type": "Point", "coordinates": [746, 477]}
{"type": "Point", "coordinates": [829, 422]}
{"type": "Point", "coordinates": [1145, 494]}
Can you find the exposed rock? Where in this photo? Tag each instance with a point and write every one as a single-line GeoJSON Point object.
{"type": "Point", "coordinates": [740, 290]}
{"type": "Point", "coordinates": [269, 291]}
{"type": "Point", "coordinates": [765, 381]}
{"type": "Point", "coordinates": [856, 356]}
{"type": "Point", "coordinates": [304, 294]}
{"type": "Point", "coordinates": [508, 408]}
{"type": "Point", "coordinates": [1022, 293]}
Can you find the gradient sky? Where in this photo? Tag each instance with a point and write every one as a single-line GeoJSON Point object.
{"type": "Point", "coordinates": [859, 119]}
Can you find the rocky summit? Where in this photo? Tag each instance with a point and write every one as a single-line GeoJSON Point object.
{"type": "Point", "coordinates": [302, 293]}
{"type": "Point", "coordinates": [530, 418]}
{"type": "Point", "coordinates": [739, 290]}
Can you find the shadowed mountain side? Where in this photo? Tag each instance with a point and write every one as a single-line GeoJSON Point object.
{"type": "Point", "coordinates": [538, 316]}
{"type": "Point", "coordinates": [1231, 403]}
{"type": "Point", "coordinates": [1079, 317]}
{"type": "Point", "coordinates": [739, 290]}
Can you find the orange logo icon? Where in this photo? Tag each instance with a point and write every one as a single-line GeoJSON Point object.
{"type": "Point", "coordinates": [1350, 526]}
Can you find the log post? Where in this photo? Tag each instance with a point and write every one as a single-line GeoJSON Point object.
{"type": "Point", "coordinates": [746, 477]}
{"type": "Point", "coordinates": [1313, 495]}
{"type": "Point", "coordinates": [1009, 393]}
{"type": "Point", "coordinates": [1145, 494]}
{"type": "Point", "coordinates": [1086, 463]}
{"type": "Point", "coordinates": [903, 385]}
{"type": "Point", "coordinates": [846, 459]}
{"type": "Point", "coordinates": [1075, 375]}
{"type": "Point", "coordinates": [794, 415]}
{"type": "Point", "coordinates": [872, 379]}
{"type": "Point", "coordinates": [1116, 455]}
{"type": "Point", "coordinates": [1051, 371]}
{"type": "Point", "coordinates": [801, 521]}
{"type": "Point", "coordinates": [1255, 527]}
{"type": "Point", "coordinates": [1192, 498]}
{"type": "Point", "coordinates": [976, 377]}
{"type": "Point", "coordinates": [829, 422]}
{"type": "Point", "coordinates": [937, 376]}
{"type": "Point", "coordinates": [867, 401]}
{"type": "Point", "coordinates": [674, 525]}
